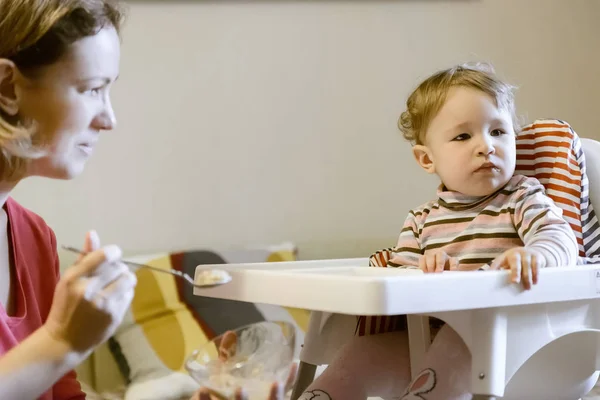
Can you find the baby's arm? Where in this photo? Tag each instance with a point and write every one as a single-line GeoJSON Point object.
{"type": "Point", "coordinates": [407, 252]}
{"type": "Point", "coordinates": [542, 228]}
{"type": "Point", "coordinates": [548, 240]}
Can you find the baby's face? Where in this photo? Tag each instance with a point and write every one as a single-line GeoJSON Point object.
{"type": "Point", "coordinates": [470, 144]}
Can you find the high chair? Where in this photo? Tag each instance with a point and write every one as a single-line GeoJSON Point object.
{"type": "Point", "coordinates": [542, 344]}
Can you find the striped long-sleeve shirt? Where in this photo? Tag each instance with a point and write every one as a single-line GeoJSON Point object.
{"type": "Point", "coordinates": [476, 230]}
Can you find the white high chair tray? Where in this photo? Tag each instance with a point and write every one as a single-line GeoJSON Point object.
{"type": "Point", "coordinates": [347, 286]}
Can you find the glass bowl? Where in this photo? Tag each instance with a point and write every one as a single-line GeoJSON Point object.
{"type": "Point", "coordinates": [252, 357]}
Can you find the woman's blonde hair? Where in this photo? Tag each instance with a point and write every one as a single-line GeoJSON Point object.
{"type": "Point", "coordinates": [35, 34]}
{"type": "Point", "coordinates": [428, 98]}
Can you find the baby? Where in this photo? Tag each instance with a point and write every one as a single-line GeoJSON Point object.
{"type": "Point", "coordinates": [462, 124]}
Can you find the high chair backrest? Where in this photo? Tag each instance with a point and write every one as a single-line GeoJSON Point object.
{"type": "Point", "coordinates": [551, 151]}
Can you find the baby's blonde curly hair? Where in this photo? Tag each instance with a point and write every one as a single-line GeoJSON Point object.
{"type": "Point", "coordinates": [428, 98]}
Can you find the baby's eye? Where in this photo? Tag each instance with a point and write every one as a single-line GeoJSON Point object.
{"type": "Point", "coordinates": [462, 137]}
{"type": "Point", "coordinates": [497, 132]}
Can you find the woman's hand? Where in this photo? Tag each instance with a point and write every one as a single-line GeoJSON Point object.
{"type": "Point", "coordinates": [227, 348]}
{"type": "Point", "coordinates": [91, 298]}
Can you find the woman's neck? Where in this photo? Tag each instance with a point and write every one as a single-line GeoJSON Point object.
{"type": "Point", "coordinates": [5, 189]}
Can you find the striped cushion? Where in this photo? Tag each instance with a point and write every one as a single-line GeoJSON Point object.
{"type": "Point", "coordinates": [550, 151]}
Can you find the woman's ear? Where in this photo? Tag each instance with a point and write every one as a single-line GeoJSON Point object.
{"type": "Point", "coordinates": [8, 93]}
{"type": "Point", "coordinates": [423, 156]}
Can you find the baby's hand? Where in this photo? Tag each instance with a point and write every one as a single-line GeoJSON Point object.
{"type": "Point", "coordinates": [437, 261]}
{"type": "Point", "coordinates": [524, 265]}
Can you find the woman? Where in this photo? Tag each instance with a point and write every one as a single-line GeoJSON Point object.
{"type": "Point", "coordinates": [58, 61]}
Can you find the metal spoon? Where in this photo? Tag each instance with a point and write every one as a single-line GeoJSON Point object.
{"type": "Point", "coordinates": [206, 279]}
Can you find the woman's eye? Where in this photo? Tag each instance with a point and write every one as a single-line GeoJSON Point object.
{"type": "Point", "coordinates": [94, 91]}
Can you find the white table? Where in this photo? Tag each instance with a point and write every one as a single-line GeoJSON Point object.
{"type": "Point", "coordinates": [346, 286]}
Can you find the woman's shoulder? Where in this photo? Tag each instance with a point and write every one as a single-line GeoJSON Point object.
{"type": "Point", "coordinates": [28, 225]}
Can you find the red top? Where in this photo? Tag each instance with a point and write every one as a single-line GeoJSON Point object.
{"type": "Point", "coordinates": [32, 249]}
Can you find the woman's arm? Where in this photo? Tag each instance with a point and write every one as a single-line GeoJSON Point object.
{"type": "Point", "coordinates": [88, 305]}
{"type": "Point", "coordinates": [407, 253]}
{"type": "Point", "coordinates": [32, 367]}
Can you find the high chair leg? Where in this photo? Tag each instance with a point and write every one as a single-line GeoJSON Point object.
{"type": "Point", "coordinates": [489, 330]}
{"type": "Point", "coordinates": [419, 336]}
{"type": "Point", "coordinates": [306, 375]}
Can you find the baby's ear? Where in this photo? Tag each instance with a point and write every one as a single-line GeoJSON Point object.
{"type": "Point", "coordinates": [423, 156]}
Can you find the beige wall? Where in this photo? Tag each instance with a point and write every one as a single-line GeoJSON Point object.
{"type": "Point", "coordinates": [244, 123]}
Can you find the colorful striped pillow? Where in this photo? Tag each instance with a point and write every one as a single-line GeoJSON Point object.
{"type": "Point", "coordinates": [166, 322]}
{"type": "Point", "coordinates": [550, 151]}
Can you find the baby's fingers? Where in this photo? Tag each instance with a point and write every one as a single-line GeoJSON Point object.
{"type": "Point", "coordinates": [440, 261]}
{"type": "Point", "coordinates": [423, 263]}
{"type": "Point", "coordinates": [453, 264]}
{"type": "Point", "coordinates": [526, 266]}
{"type": "Point", "coordinates": [430, 262]}
{"type": "Point", "coordinates": [498, 263]}
{"type": "Point", "coordinates": [427, 262]}
{"type": "Point", "coordinates": [536, 265]}
{"type": "Point", "coordinates": [514, 261]}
